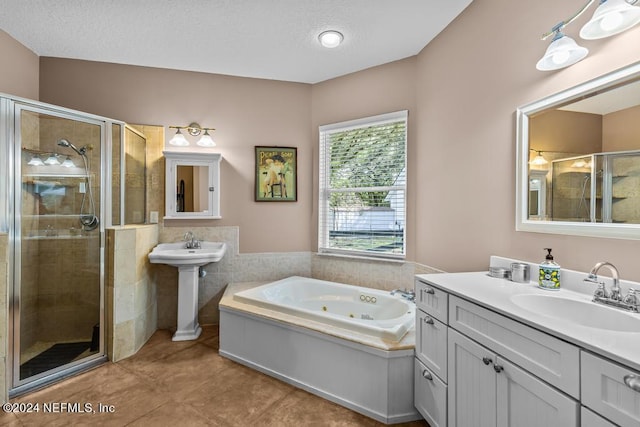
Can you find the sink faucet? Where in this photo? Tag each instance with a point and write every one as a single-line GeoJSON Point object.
{"type": "Point", "coordinates": [407, 294]}
{"type": "Point", "coordinates": [614, 298]}
{"type": "Point", "coordinates": [593, 278]}
{"type": "Point", "coordinates": [191, 241]}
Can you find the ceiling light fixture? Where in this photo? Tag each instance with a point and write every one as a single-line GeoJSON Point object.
{"type": "Point", "coordinates": [330, 39]}
{"type": "Point", "coordinates": [68, 163]}
{"type": "Point", "coordinates": [193, 129]}
{"type": "Point", "coordinates": [610, 18]}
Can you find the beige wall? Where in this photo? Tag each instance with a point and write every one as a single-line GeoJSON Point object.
{"type": "Point", "coordinates": [245, 112]}
{"type": "Point", "coordinates": [621, 130]}
{"type": "Point", "coordinates": [19, 72]}
{"type": "Point", "coordinates": [566, 132]}
{"type": "Point", "coordinates": [378, 90]}
{"type": "Point", "coordinates": [461, 90]}
{"type": "Point", "coordinates": [471, 79]}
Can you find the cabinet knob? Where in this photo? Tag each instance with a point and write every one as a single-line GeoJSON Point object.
{"type": "Point", "coordinates": [498, 368]}
{"type": "Point", "coordinates": [427, 375]}
{"type": "Point", "coordinates": [428, 320]}
{"type": "Point", "coordinates": [632, 381]}
{"type": "Point", "coordinates": [487, 360]}
{"type": "Point", "coordinates": [430, 291]}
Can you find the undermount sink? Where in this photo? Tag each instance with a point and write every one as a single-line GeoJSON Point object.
{"type": "Point", "coordinates": [188, 261]}
{"type": "Point", "coordinates": [581, 312]}
{"type": "Point", "coordinates": [177, 255]}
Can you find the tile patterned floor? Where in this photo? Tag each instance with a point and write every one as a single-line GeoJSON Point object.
{"type": "Point", "coordinates": [183, 384]}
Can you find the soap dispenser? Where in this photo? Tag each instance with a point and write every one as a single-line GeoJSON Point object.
{"type": "Point", "coordinates": [549, 277]}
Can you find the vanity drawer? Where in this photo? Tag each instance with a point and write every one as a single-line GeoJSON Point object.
{"type": "Point", "coordinates": [589, 418]}
{"type": "Point", "coordinates": [547, 357]}
{"type": "Point", "coordinates": [431, 343]}
{"type": "Point", "coordinates": [432, 300]}
{"type": "Point", "coordinates": [604, 390]}
{"type": "Point", "coordinates": [430, 396]}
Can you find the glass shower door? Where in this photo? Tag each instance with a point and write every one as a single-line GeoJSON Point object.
{"type": "Point", "coordinates": [58, 272]}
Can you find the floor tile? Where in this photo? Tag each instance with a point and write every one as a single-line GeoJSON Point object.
{"type": "Point", "coordinates": [183, 383]}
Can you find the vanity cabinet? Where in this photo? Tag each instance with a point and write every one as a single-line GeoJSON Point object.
{"type": "Point", "coordinates": [605, 391]}
{"type": "Point", "coordinates": [485, 389]}
{"type": "Point", "coordinates": [495, 371]}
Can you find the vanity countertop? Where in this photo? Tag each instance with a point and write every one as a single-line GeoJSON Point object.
{"type": "Point", "coordinates": [495, 294]}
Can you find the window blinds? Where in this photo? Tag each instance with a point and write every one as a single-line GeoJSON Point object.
{"type": "Point", "coordinates": [362, 180]}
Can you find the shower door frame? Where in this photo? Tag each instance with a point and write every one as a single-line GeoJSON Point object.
{"type": "Point", "coordinates": [13, 108]}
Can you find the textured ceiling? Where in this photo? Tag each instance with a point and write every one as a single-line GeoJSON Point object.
{"type": "Point", "coordinates": [270, 39]}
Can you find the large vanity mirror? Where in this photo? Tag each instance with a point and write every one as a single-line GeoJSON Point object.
{"type": "Point", "coordinates": [192, 185]}
{"type": "Point", "coordinates": [578, 159]}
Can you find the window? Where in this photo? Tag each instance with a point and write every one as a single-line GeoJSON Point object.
{"type": "Point", "coordinates": [363, 187]}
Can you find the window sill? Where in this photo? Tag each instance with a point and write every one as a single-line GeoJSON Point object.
{"type": "Point", "coordinates": [361, 257]}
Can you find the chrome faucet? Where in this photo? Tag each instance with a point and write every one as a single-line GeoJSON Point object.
{"type": "Point", "coordinates": [613, 297]}
{"type": "Point", "coordinates": [191, 241]}
{"type": "Point", "coordinates": [406, 294]}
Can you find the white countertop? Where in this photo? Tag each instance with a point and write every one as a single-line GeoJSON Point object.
{"type": "Point", "coordinates": [495, 294]}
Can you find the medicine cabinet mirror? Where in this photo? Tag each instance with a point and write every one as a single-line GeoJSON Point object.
{"type": "Point", "coordinates": [578, 159]}
{"type": "Point", "coordinates": [192, 185]}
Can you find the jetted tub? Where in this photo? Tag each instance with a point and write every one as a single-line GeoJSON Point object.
{"type": "Point", "coordinates": [368, 311]}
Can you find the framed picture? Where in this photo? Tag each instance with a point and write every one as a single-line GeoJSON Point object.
{"type": "Point", "coordinates": [276, 174]}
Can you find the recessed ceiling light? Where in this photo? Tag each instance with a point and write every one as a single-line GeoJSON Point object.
{"type": "Point", "coordinates": [330, 39]}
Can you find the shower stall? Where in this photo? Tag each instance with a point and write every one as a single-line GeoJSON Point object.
{"type": "Point", "coordinates": [56, 203]}
{"type": "Point", "coordinates": [602, 187]}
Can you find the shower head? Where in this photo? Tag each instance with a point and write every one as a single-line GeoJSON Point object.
{"type": "Point", "coordinates": [65, 143]}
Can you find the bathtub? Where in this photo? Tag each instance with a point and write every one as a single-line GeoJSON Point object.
{"type": "Point", "coordinates": [351, 345]}
{"type": "Point", "coordinates": [363, 310]}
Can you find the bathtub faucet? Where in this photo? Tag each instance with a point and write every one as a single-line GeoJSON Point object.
{"type": "Point", "coordinates": [406, 293]}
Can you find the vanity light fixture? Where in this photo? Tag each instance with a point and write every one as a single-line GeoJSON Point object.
{"type": "Point", "coordinates": [193, 129]}
{"type": "Point", "coordinates": [35, 161]}
{"type": "Point", "coordinates": [52, 160]}
{"type": "Point", "coordinates": [538, 160]}
{"type": "Point", "coordinates": [68, 163]}
{"type": "Point", "coordinates": [330, 38]}
{"type": "Point", "coordinates": [610, 18]}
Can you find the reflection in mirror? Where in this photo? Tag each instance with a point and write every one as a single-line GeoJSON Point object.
{"type": "Point", "coordinates": [579, 159]}
{"type": "Point", "coordinates": [192, 188]}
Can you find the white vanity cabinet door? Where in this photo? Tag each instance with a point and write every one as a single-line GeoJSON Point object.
{"type": "Point", "coordinates": [591, 419]}
{"type": "Point", "coordinates": [430, 396]}
{"type": "Point", "coordinates": [525, 401]}
{"type": "Point", "coordinates": [432, 300]}
{"type": "Point", "coordinates": [604, 390]}
{"type": "Point", "coordinates": [431, 343]}
{"type": "Point", "coordinates": [472, 383]}
{"type": "Point", "coordinates": [553, 360]}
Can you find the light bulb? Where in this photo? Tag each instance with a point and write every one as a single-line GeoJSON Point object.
{"type": "Point", "coordinates": [611, 21]}
{"type": "Point", "coordinates": [560, 57]}
{"type": "Point", "coordinates": [52, 160]}
{"type": "Point", "coordinates": [206, 140]}
{"type": "Point", "coordinates": [179, 139]}
{"type": "Point", "coordinates": [35, 161]}
{"type": "Point", "coordinates": [68, 163]}
{"type": "Point", "coordinates": [330, 39]}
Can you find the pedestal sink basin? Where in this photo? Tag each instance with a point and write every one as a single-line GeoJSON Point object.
{"type": "Point", "coordinates": [188, 261]}
{"type": "Point", "coordinates": [581, 312]}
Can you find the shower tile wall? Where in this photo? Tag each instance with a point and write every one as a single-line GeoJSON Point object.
{"type": "Point", "coordinates": [155, 167]}
{"type": "Point", "coordinates": [626, 189]}
{"type": "Point", "coordinates": [57, 302]}
{"type": "Point", "coordinates": [131, 289]}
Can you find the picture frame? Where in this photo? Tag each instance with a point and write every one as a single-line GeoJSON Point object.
{"type": "Point", "coordinates": [276, 174]}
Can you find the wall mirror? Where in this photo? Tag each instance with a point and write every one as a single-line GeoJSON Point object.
{"type": "Point", "coordinates": [578, 159]}
{"type": "Point", "coordinates": [192, 185]}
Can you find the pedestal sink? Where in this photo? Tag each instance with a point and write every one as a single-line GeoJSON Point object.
{"type": "Point", "coordinates": [188, 261]}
